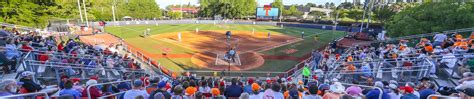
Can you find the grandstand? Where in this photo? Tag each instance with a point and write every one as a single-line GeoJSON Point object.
{"type": "Point", "coordinates": [81, 62]}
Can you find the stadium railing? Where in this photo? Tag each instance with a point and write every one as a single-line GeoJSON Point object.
{"type": "Point", "coordinates": [148, 61]}
{"type": "Point", "coordinates": [53, 69]}
{"type": "Point", "coordinates": [284, 24]}
{"type": "Point", "coordinates": [420, 68]}
{"type": "Point", "coordinates": [417, 36]}
{"type": "Point", "coordinates": [108, 83]}
{"type": "Point", "coordinates": [17, 26]}
{"type": "Point", "coordinates": [44, 94]}
{"type": "Point", "coordinates": [158, 22]}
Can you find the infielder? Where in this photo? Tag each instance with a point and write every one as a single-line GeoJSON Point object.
{"type": "Point", "coordinates": [268, 35]}
{"type": "Point", "coordinates": [302, 34]}
{"type": "Point", "coordinates": [179, 36]}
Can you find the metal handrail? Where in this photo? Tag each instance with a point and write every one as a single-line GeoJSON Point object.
{"type": "Point", "coordinates": [46, 96]}
{"type": "Point", "coordinates": [115, 94]}
{"type": "Point", "coordinates": [88, 87]}
{"type": "Point", "coordinates": [138, 70]}
{"type": "Point", "coordinates": [69, 64]}
{"type": "Point", "coordinates": [448, 97]}
{"type": "Point", "coordinates": [419, 36]}
{"type": "Point", "coordinates": [415, 57]}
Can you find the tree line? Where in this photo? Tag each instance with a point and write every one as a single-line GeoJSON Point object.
{"type": "Point", "coordinates": [37, 13]}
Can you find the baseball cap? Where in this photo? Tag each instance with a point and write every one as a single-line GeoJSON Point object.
{"type": "Point", "coordinates": [161, 84]}
{"type": "Point", "coordinates": [294, 93]}
{"type": "Point", "coordinates": [137, 83]}
{"type": "Point", "coordinates": [27, 73]}
{"type": "Point", "coordinates": [190, 90]}
{"type": "Point", "coordinates": [255, 87]}
{"type": "Point", "coordinates": [407, 89]}
{"type": "Point", "coordinates": [250, 81]}
{"type": "Point", "coordinates": [215, 91]}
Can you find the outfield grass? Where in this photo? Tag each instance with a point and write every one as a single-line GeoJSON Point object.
{"type": "Point", "coordinates": [131, 35]}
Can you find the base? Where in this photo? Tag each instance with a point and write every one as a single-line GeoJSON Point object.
{"type": "Point", "coordinates": [221, 60]}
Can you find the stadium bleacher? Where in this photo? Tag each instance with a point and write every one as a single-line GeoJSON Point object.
{"type": "Point", "coordinates": [44, 67]}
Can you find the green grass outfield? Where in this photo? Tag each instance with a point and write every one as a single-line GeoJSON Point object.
{"type": "Point", "coordinates": [314, 39]}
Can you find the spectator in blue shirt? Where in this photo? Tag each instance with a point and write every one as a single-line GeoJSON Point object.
{"type": "Point", "coordinates": [233, 90]}
{"type": "Point", "coordinates": [248, 87]}
{"type": "Point", "coordinates": [375, 93]}
{"type": "Point", "coordinates": [429, 90]}
{"type": "Point", "coordinates": [123, 86]}
{"type": "Point", "coordinates": [407, 92]}
{"type": "Point", "coordinates": [69, 91]}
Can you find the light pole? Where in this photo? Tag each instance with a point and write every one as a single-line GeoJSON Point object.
{"type": "Point", "coordinates": [80, 10]}
{"type": "Point", "coordinates": [363, 17]}
{"type": "Point", "coordinates": [85, 12]}
{"type": "Point", "coordinates": [113, 11]}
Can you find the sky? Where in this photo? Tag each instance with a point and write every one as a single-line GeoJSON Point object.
{"type": "Point", "coordinates": [164, 3]}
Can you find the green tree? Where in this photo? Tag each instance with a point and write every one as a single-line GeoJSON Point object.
{"type": "Point", "coordinates": [279, 4]}
{"type": "Point", "coordinates": [292, 11]}
{"type": "Point", "coordinates": [227, 8]}
{"type": "Point", "coordinates": [345, 5]}
{"type": "Point", "coordinates": [383, 13]}
{"type": "Point", "coordinates": [355, 14]}
{"type": "Point", "coordinates": [174, 15]}
{"type": "Point", "coordinates": [310, 5]}
{"type": "Point", "coordinates": [431, 17]}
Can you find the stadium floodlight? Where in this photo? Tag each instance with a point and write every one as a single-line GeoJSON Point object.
{"type": "Point", "coordinates": [80, 10]}
{"type": "Point", "coordinates": [85, 12]}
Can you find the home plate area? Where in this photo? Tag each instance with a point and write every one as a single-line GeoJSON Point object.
{"type": "Point", "coordinates": [221, 59]}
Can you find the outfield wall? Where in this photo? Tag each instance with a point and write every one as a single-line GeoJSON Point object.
{"type": "Point", "coordinates": [158, 22]}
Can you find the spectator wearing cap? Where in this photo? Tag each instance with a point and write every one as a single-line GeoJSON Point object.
{"type": "Point", "coordinates": [191, 89]}
{"type": "Point", "coordinates": [94, 91]}
{"type": "Point", "coordinates": [29, 85]}
{"type": "Point", "coordinates": [69, 91]}
{"type": "Point", "coordinates": [64, 79]}
{"type": "Point", "coordinates": [429, 89]}
{"type": "Point", "coordinates": [448, 60]}
{"type": "Point", "coordinates": [123, 86]}
{"type": "Point", "coordinates": [8, 87]}
{"type": "Point", "coordinates": [412, 85]}
{"type": "Point", "coordinates": [322, 88]}
{"type": "Point", "coordinates": [294, 94]}
{"type": "Point", "coordinates": [256, 94]}
{"type": "Point", "coordinates": [136, 91]}
{"type": "Point", "coordinates": [313, 91]}
{"type": "Point", "coordinates": [248, 87]}
{"type": "Point", "coordinates": [233, 90]}
{"type": "Point", "coordinates": [216, 94]}
{"type": "Point", "coordinates": [161, 89]}
{"type": "Point", "coordinates": [153, 85]}
{"type": "Point", "coordinates": [244, 96]}
{"type": "Point", "coordinates": [76, 84]}
{"type": "Point", "coordinates": [394, 93]}
{"type": "Point", "coordinates": [335, 91]}
{"type": "Point", "coordinates": [354, 90]}
{"type": "Point", "coordinates": [375, 93]}
{"type": "Point", "coordinates": [407, 92]}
